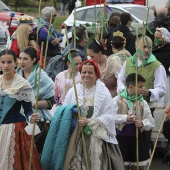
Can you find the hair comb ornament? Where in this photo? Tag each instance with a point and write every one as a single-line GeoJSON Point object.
{"type": "Point", "coordinates": [119, 34]}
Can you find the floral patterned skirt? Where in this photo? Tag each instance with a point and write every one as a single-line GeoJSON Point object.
{"type": "Point", "coordinates": [15, 146]}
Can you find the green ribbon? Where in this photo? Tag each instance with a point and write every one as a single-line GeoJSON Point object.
{"type": "Point", "coordinates": [146, 27]}
{"type": "Point", "coordinates": [36, 77]}
{"type": "Point", "coordinates": [71, 61]}
{"type": "Point", "coordinates": [147, 42]}
{"type": "Point", "coordinates": [41, 20]}
{"type": "Point", "coordinates": [145, 62]}
{"type": "Point", "coordinates": [99, 15]}
{"type": "Point", "coordinates": [87, 130]}
{"type": "Point", "coordinates": [51, 32]}
{"type": "Point", "coordinates": [74, 25]}
{"type": "Point", "coordinates": [130, 99]}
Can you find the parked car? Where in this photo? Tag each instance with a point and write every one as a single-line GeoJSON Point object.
{"type": "Point", "coordinates": [17, 19]}
{"type": "Point", "coordinates": [88, 15]}
{"type": "Point", "coordinates": [93, 2]}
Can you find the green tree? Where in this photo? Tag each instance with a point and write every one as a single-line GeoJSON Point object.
{"type": "Point", "coordinates": [16, 3]}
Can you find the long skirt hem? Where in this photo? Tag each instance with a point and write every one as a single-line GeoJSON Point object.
{"type": "Point", "coordinates": [15, 148]}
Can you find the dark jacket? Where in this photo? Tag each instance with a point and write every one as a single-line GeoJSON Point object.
{"type": "Point", "coordinates": [166, 129]}
{"type": "Point", "coordinates": [154, 24]}
{"type": "Point", "coordinates": [80, 51]}
{"type": "Point", "coordinates": [53, 50]}
{"type": "Point", "coordinates": [162, 54]}
{"type": "Point", "coordinates": [108, 35]}
{"type": "Point", "coordinates": [130, 39]}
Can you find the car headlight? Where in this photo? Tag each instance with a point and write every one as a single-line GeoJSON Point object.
{"type": "Point", "coordinates": [15, 22]}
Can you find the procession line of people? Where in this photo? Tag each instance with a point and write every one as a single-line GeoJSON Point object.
{"type": "Point", "coordinates": [116, 95]}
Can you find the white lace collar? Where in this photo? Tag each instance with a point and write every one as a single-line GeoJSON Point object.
{"type": "Point", "coordinates": [20, 89]}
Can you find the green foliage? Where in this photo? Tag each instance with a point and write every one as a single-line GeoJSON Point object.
{"type": "Point", "coordinates": [26, 10]}
{"type": "Point", "coordinates": [17, 4]}
{"type": "Point", "coordinates": [58, 22]}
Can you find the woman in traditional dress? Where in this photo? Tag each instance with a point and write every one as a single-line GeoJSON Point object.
{"type": "Point", "coordinates": [109, 66]}
{"type": "Point", "coordinates": [64, 81]}
{"type": "Point", "coordinates": [15, 92]}
{"type": "Point", "coordinates": [118, 47]}
{"type": "Point", "coordinates": [29, 69]}
{"type": "Point", "coordinates": [97, 116]}
{"type": "Point", "coordinates": [97, 121]}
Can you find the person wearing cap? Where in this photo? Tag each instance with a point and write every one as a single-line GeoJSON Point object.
{"type": "Point", "coordinates": [126, 20]}
{"type": "Point", "coordinates": [29, 69]}
{"type": "Point", "coordinates": [97, 123]}
{"type": "Point", "coordinates": [54, 39]}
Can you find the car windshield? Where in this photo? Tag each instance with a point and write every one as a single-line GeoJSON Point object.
{"type": "Point", "coordinates": [3, 7]}
{"type": "Point", "coordinates": [141, 13]}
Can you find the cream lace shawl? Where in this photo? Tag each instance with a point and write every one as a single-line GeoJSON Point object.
{"type": "Point", "coordinates": [114, 64]}
{"type": "Point", "coordinates": [20, 89]}
{"type": "Point", "coordinates": [103, 107]}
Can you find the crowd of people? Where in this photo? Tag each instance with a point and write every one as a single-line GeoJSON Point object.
{"type": "Point", "coordinates": [89, 110]}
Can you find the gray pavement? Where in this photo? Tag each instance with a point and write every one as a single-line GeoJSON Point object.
{"type": "Point", "coordinates": [157, 164]}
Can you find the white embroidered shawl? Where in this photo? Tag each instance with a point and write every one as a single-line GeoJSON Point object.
{"type": "Point", "coordinates": [20, 89]}
{"type": "Point", "coordinates": [103, 107]}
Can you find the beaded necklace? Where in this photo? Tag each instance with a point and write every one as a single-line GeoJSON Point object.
{"type": "Point", "coordinates": [6, 80]}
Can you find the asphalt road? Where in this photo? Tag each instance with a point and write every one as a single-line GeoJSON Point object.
{"type": "Point", "coordinates": [157, 164]}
